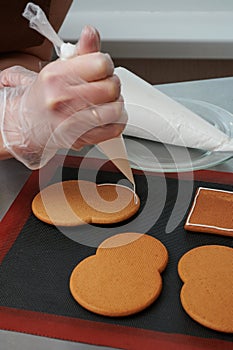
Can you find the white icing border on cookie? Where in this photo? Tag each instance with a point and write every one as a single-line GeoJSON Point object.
{"type": "Point", "coordinates": [134, 190]}
{"type": "Point", "coordinates": [194, 204]}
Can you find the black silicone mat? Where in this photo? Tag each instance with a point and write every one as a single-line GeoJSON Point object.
{"type": "Point", "coordinates": [35, 272]}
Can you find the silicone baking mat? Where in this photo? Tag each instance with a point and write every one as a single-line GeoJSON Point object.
{"type": "Point", "coordinates": [37, 260]}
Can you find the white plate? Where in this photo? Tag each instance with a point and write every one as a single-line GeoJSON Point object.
{"type": "Point", "coordinates": [154, 156]}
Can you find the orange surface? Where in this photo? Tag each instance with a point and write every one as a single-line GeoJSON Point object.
{"type": "Point", "coordinates": [207, 292]}
{"type": "Point", "coordinates": [73, 202]}
{"type": "Point", "coordinates": [123, 277]}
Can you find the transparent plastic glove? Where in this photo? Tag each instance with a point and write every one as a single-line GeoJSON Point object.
{"type": "Point", "coordinates": [68, 104]}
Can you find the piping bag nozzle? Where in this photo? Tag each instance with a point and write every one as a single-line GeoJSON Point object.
{"type": "Point", "coordinates": [115, 150]}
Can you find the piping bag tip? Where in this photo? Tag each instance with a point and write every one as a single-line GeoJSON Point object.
{"type": "Point", "coordinates": [115, 150]}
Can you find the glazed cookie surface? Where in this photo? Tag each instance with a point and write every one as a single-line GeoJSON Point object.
{"type": "Point", "coordinates": [77, 202]}
{"type": "Point", "coordinates": [123, 277]}
{"type": "Point", "coordinates": [207, 293]}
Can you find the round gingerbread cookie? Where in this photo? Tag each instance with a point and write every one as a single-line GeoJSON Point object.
{"type": "Point", "coordinates": [207, 292]}
{"type": "Point", "coordinates": [123, 278]}
{"type": "Point", "coordinates": [76, 202]}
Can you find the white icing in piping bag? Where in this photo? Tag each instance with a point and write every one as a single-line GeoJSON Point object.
{"type": "Point", "coordinates": [115, 148]}
{"type": "Point", "coordinates": [154, 116]}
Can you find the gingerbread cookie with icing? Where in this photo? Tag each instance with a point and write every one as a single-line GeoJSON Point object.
{"type": "Point", "coordinates": [211, 212]}
{"type": "Point", "coordinates": [78, 202]}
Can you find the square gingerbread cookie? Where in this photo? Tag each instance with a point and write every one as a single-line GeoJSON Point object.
{"type": "Point", "coordinates": [211, 212]}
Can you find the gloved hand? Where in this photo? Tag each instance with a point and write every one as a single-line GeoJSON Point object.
{"type": "Point", "coordinates": [67, 105]}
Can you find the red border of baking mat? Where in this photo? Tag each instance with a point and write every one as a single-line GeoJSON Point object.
{"type": "Point", "coordinates": [77, 330]}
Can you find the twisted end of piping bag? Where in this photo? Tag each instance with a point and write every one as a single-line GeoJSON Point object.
{"type": "Point", "coordinates": [39, 22]}
{"type": "Point", "coordinates": [115, 148]}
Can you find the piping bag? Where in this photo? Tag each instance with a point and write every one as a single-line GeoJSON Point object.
{"type": "Point", "coordinates": [114, 148]}
{"type": "Point", "coordinates": [154, 116]}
